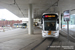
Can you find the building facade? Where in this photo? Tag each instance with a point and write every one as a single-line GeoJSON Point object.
{"type": "Point", "coordinates": [8, 23]}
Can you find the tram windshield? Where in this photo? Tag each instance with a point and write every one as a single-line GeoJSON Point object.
{"type": "Point", "coordinates": [24, 24]}
{"type": "Point", "coordinates": [50, 25]}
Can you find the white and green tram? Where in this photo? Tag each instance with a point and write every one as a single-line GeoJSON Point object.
{"type": "Point", "coordinates": [50, 25]}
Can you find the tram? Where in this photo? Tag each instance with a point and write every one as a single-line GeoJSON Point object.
{"type": "Point", "coordinates": [20, 25]}
{"type": "Point", "coordinates": [50, 25]}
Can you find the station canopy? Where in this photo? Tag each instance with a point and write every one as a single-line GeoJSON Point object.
{"type": "Point", "coordinates": [20, 7]}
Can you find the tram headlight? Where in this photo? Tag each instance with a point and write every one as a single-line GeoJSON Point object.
{"type": "Point", "coordinates": [54, 32]}
{"type": "Point", "coordinates": [44, 32]}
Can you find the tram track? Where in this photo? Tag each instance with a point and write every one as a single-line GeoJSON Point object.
{"type": "Point", "coordinates": [47, 47]}
{"type": "Point", "coordinates": [47, 43]}
{"type": "Point", "coordinates": [38, 44]}
{"type": "Point", "coordinates": [50, 44]}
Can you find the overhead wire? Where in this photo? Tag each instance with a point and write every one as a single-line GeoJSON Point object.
{"type": "Point", "coordinates": [51, 6]}
{"type": "Point", "coordinates": [18, 7]}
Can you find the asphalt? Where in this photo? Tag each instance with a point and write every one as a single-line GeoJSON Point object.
{"type": "Point", "coordinates": [19, 39]}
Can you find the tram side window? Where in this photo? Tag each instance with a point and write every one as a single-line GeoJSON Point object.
{"type": "Point", "coordinates": [50, 26]}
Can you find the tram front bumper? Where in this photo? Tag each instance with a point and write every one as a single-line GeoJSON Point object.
{"type": "Point", "coordinates": [55, 35]}
{"type": "Point", "coordinates": [44, 36]}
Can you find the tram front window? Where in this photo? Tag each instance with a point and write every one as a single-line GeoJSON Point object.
{"type": "Point", "coordinates": [50, 26]}
{"type": "Point", "coordinates": [24, 24]}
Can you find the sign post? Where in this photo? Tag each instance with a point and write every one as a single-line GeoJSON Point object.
{"type": "Point", "coordinates": [67, 18]}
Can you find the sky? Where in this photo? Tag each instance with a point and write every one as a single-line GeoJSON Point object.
{"type": "Point", "coordinates": [6, 14]}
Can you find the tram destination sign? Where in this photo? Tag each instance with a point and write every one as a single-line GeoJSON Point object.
{"type": "Point", "coordinates": [52, 16]}
{"type": "Point", "coordinates": [66, 15]}
{"type": "Point", "coordinates": [49, 15]}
